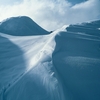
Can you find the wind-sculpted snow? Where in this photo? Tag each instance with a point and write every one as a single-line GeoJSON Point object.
{"type": "Point", "coordinates": [21, 26]}
{"type": "Point", "coordinates": [63, 65]}
{"type": "Point", "coordinates": [77, 60]}
{"type": "Point", "coordinates": [37, 80]}
{"type": "Point", "coordinates": [90, 28]}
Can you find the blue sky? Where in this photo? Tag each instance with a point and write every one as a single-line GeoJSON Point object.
{"type": "Point", "coordinates": [76, 1]}
{"type": "Point", "coordinates": [52, 14]}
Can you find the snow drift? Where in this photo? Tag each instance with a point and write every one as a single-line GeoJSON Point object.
{"type": "Point", "coordinates": [21, 26]}
{"type": "Point", "coordinates": [63, 65]}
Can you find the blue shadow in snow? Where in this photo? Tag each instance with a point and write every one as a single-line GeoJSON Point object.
{"type": "Point", "coordinates": [12, 65]}
{"type": "Point", "coordinates": [77, 61]}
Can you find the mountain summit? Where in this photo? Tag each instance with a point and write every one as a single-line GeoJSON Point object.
{"type": "Point", "coordinates": [21, 26]}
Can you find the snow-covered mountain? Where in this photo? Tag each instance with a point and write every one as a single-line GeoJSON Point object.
{"type": "Point", "coordinates": [36, 65]}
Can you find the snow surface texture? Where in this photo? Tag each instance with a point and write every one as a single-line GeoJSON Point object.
{"type": "Point", "coordinates": [63, 65]}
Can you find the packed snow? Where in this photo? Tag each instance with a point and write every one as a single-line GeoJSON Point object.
{"type": "Point", "coordinates": [37, 65]}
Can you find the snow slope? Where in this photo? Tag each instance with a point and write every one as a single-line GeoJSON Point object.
{"type": "Point", "coordinates": [63, 65]}
{"type": "Point", "coordinates": [21, 26]}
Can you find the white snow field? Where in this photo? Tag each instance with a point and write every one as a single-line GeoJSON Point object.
{"type": "Point", "coordinates": [37, 65]}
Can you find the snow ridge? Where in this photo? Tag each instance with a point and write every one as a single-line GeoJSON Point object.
{"type": "Point", "coordinates": [63, 65]}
